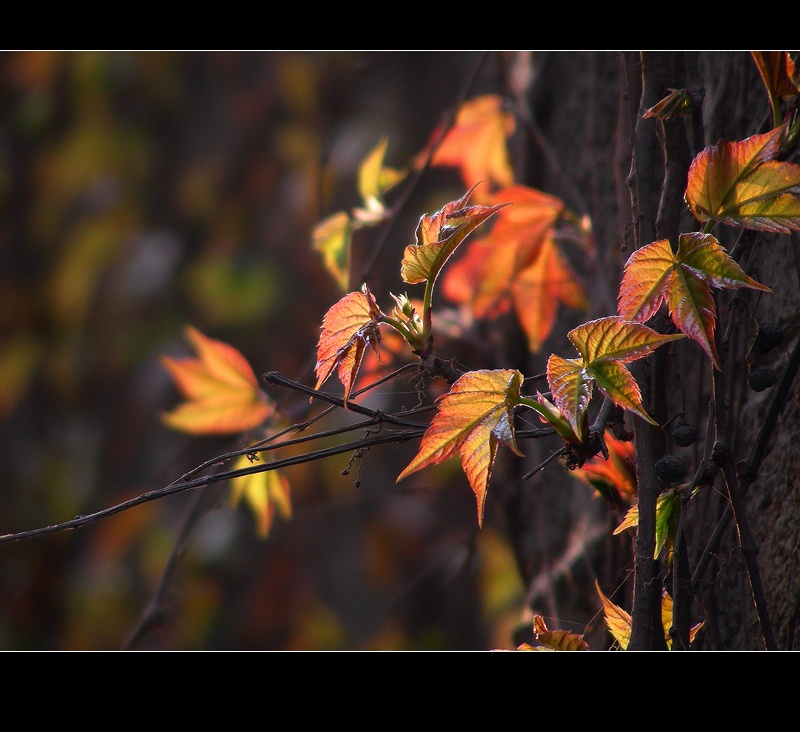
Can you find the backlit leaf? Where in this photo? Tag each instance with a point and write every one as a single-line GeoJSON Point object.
{"type": "Point", "coordinates": [220, 388]}
{"type": "Point", "coordinates": [348, 328]}
{"type": "Point", "coordinates": [676, 104]}
{"type": "Point", "coordinates": [538, 289]}
{"type": "Point", "coordinates": [439, 234]}
{"type": "Point", "coordinates": [571, 389]}
{"type": "Point", "coordinates": [668, 507]}
{"type": "Point", "coordinates": [374, 180]}
{"type": "Point", "coordinates": [778, 73]}
{"type": "Point", "coordinates": [332, 238]}
{"type": "Point", "coordinates": [472, 418]}
{"type": "Point", "coordinates": [741, 184]}
{"type": "Point", "coordinates": [477, 143]}
{"type": "Point", "coordinates": [605, 346]}
{"type": "Point", "coordinates": [266, 493]}
{"type": "Point", "coordinates": [557, 640]}
{"type": "Point", "coordinates": [612, 476]}
{"type": "Point", "coordinates": [653, 274]}
{"type": "Point", "coordinates": [484, 276]}
{"type": "Point", "coordinates": [617, 620]}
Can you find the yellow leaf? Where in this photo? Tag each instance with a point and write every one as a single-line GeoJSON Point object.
{"type": "Point", "coordinates": [332, 238]}
{"type": "Point", "coordinates": [374, 180]}
{"type": "Point", "coordinates": [617, 620]}
{"type": "Point", "coordinates": [471, 419]}
{"type": "Point", "coordinates": [220, 387]}
{"type": "Point", "coordinates": [266, 493]}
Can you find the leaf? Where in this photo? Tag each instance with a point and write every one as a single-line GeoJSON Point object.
{"type": "Point", "coordinates": [571, 389]}
{"type": "Point", "coordinates": [332, 238]}
{"type": "Point", "coordinates": [220, 387]}
{"type": "Point", "coordinates": [374, 180]}
{"type": "Point", "coordinates": [605, 345]}
{"type": "Point", "coordinates": [617, 620]}
{"type": "Point", "coordinates": [539, 288]}
{"type": "Point", "coordinates": [668, 507]}
{"type": "Point", "coordinates": [266, 493]}
{"type": "Point", "coordinates": [778, 73]}
{"type": "Point", "coordinates": [347, 328]}
{"type": "Point", "coordinates": [557, 640]}
{"type": "Point", "coordinates": [740, 184]}
{"type": "Point", "coordinates": [472, 418]}
{"type": "Point", "coordinates": [612, 476]}
{"type": "Point", "coordinates": [486, 273]}
{"type": "Point", "coordinates": [477, 142]}
{"type": "Point", "coordinates": [653, 275]}
{"type": "Point", "coordinates": [439, 234]}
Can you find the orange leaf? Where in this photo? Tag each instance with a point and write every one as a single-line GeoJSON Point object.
{"type": "Point", "coordinates": [539, 288]}
{"type": "Point", "coordinates": [492, 263]}
{"type": "Point", "coordinates": [347, 328]}
{"type": "Point", "coordinates": [615, 474]}
{"type": "Point", "coordinates": [221, 389]}
{"type": "Point", "coordinates": [653, 274]}
{"type": "Point", "coordinates": [439, 234]}
{"type": "Point", "coordinates": [472, 418]}
{"type": "Point", "coordinates": [266, 493]}
{"type": "Point", "coordinates": [740, 184]}
{"type": "Point", "coordinates": [477, 143]}
{"type": "Point", "coordinates": [557, 640]}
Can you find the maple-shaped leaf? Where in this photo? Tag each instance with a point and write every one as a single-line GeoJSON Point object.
{"type": "Point", "coordinates": [439, 234]}
{"type": "Point", "coordinates": [538, 290]}
{"type": "Point", "coordinates": [472, 419]}
{"type": "Point", "coordinates": [778, 73]}
{"type": "Point", "coordinates": [654, 274]}
{"type": "Point", "coordinates": [374, 180]}
{"type": "Point", "coordinates": [618, 620]}
{"type": "Point", "coordinates": [484, 276]}
{"type": "Point", "coordinates": [741, 184]}
{"type": "Point", "coordinates": [605, 346]}
{"type": "Point", "coordinates": [265, 493]}
{"type": "Point", "coordinates": [477, 143]}
{"type": "Point", "coordinates": [612, 476]}
{"type": "Point", "coordinates": [221, 391]}
{"type": "Point", "coordinates": [331, 238]}
{"type": "Point", "coordinates": [348, 328]}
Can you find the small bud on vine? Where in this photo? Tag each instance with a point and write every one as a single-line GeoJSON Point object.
{"type": "Point", "coordinates": [760, 378]}
{"type": "Point", "coordinates": [770, 335]}
{"type": "Point", "coordinates": [670, 468]}
{"type": "Point", "coordinates": [683, 434]}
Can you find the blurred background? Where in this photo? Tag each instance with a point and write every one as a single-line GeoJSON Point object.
{"type": "Point", "coordinates": [145, 191]}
